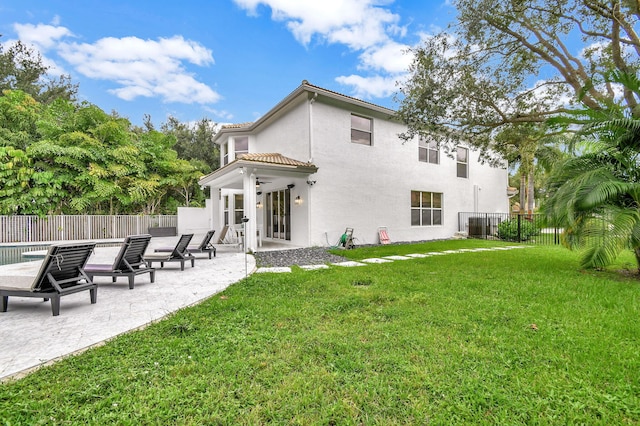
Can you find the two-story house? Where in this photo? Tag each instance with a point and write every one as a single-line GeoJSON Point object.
{"type": "Point", "coordinates": [320, 162]}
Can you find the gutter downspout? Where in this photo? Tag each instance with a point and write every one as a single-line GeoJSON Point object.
{"type": "Point", "coordinates": [311, 102]}
{"type": "Point", "coordinates": [309, 200]}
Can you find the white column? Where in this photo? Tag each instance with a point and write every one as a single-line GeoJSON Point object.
{"type": "Point", "coordinates": [249, 197]}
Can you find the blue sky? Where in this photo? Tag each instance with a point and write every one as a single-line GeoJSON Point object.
{"type": "Point", "coordinates": [227, 60]}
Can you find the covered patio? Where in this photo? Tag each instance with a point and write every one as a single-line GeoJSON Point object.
{"type": "Point", "coordinates": [265, 195]}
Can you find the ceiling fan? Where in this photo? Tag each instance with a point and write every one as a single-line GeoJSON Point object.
{"type": "Point", "coordinates": [258, 181]}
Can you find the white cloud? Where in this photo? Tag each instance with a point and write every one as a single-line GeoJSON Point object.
{"type": "Point", "coordinates": [147, 68]}
{"type": "Point", "coordinates": [361, 25]}
{"type": "Point", "coordinates": [390, 57]}
{"type": "Point", "coordinates": [221, 113]}
{"type": "Point", "coordinates": [43, 36]}
{"type": "Point", "coordinates": [142, 68]}
{"type": "Point", "coordinates": [366, 87]}
{"type": "Point", "coordinates": [356, 23]}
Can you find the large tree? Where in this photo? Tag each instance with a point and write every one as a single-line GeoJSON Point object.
{"type": "Point", "coordinates": [509, 62]}
{"type": "Point", "coordinates": [194, 141]}
{"type": "Point", "coordinates": [22, 68]}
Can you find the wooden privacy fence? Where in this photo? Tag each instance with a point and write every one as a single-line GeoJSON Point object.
{"type": "Point", "coordinates": [22, 229]}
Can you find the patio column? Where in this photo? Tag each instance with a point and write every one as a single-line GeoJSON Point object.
{"type": "Point", "coordinates": [214, 210]}
{"type": "Point", "coordinates": [249, 197]}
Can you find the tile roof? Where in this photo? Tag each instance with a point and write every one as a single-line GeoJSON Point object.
{"type": "Point", "coordinates": [237, 126]}
{"type": "Point", "coordinates": [273, 158]}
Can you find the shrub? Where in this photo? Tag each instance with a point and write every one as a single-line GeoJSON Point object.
{"type": "Point", "coordinates": [508, 230]}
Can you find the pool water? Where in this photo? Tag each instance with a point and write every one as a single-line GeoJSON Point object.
{"type": "Point", "coordinates": [14, 254]}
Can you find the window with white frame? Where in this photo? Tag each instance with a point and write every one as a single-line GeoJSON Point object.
{"type": "Point", "coordinates": [462, 162]}
{"type": "Point", "coordinates": [428, 151]}
{"type": "Point", "coordinates": [426, 208]}
{"type": "Point", "coordinates": [361, 130]}
{"type": "Point", "coordinates": [238, 208]}
{"type": "Point", "coordinates": [241, 145]}
{"type": "Point", "coordinates": [225, 153]}
{"type": "Point", "coordinates": [225, 201]}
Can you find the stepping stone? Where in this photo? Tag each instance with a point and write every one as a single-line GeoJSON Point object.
{"type": "Point", "coordinates": [376, 260]}
{"type": "Point", "coordinates": [313, 267]}
{"type": "Point", "coordinates": [349, 264]}
{"type": "Point", "coordinates": [276, 270]}
{"type": "Point", "coordinates": [435, 253]}
{"type": "Point", "coordinates": [516, 247]}
{"type": "Point", "coordinates": [418, 255]}
{"type": "Point", "coordinates": [396, 257]}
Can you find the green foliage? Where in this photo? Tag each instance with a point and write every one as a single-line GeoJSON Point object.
{"type": "Point", "coordinates": [510, 43]}
{"type": "Point", "coordinates": [18, 114]}
{"type": "Point", "coordinates": [22, 69]}
{"type": "Point", "coordinates": [82, 160]}
{"type": "Point", "coordinates": [195, 141]}
{"type": "Point", "coordinates": [60, 156]}
{"type": "Point", "coordinates": [508, 230]}
{"type": "Point", "coordinates": [595, 196]}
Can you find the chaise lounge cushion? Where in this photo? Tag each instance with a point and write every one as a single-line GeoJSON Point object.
{"type": "Point", "coordinates": [129, 261]}
{"type": "Point", "coordinates": [61, 273]}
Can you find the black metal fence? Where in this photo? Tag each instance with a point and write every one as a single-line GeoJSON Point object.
{"type": "Point", "coordinates": [522, 228]}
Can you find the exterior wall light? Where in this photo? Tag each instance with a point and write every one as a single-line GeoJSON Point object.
{"type": "Point", "coordinates": [298, 200]}
{"type": "Point", "coordinates": [259, 204]}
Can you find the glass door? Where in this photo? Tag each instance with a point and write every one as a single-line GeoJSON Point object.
{"type": "Point", "coordinates": [278, 214]}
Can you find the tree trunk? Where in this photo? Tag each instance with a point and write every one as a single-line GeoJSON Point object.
{"type": "Point", "coordinates": [637, 253]}
{"type": "Point", "coordinates": [523, 190]}
{"type": "Point", "coordinates": [530, 193]}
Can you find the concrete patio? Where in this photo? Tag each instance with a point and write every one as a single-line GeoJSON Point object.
{"type": "Point", "coordinates": [32, 337]}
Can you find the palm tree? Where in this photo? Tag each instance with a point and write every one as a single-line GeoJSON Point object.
{"type": "Point", "coordinates": [530, 148]}
{"type": "Point", "coordinates": [595, 196]}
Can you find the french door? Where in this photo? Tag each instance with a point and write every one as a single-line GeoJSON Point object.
{"type": "Point", "coordinates": [278, 220]}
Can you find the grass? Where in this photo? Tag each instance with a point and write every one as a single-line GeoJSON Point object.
{"type": "Point", "coordinates": [502, 337]}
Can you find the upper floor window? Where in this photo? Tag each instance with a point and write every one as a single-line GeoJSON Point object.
{"type": "Point", "coordinates": [428, 151]}
{"type": "Point", "coordinates": [241, 145]}
{"type": "Point", "coordinates": [361, 130]}
{"type": "Point", "coordinates": [426, 208]}
{"type": "Point", "coordinates": [462, 162]}
{"type": "Point", "coordinates": [225, 153]}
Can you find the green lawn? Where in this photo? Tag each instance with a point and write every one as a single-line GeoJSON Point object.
{"type": "Point", "coordinates": [501, 337]}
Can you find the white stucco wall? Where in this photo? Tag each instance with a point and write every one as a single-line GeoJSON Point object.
{"type": "Point", "coordinates": [366, 187]}
{"type": "Point", "coordinates": [194, 220]}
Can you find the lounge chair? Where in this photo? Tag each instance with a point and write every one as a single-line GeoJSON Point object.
{"type": "Point", "coordinates": [128, 263]}
{"type": "Point", "coordinates": [204, 247]}
{"type": "Point", "coordinates": [180, 253]}
{"type": "Point", "coordinates": [61, 274]}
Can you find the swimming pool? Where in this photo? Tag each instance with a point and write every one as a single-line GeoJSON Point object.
{"type": "Point", "coordinates": [27, 252]}
{"type": "Point", "coordinates": [14, 254]}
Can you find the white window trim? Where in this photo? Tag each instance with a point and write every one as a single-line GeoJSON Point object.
{"type": "Point", "coordinates": [370, 131]}
{"type": "Point", "coordinates": [441, 209]}
{"type": "Point", "coordinates": [466, 163]}
{"type": "Point", "coordinates": [423, 144]}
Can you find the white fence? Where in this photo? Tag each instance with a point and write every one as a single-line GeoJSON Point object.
{"type": "Point", "coordinates": [22, 229]}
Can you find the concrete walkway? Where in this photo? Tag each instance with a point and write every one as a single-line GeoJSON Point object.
{"type": "Point", "coordinates": [32, 337]}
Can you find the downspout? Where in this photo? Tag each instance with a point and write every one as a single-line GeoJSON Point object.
{"type": "Point", "coordinates": [309, 201]}
{"type": "Point", "coordinates": [311, 102]}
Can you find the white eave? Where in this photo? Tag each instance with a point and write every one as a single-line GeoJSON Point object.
{"type": "Point", "coordinates": [309, 88]}
{"type": "Point", "coordinates": [264, 162]}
